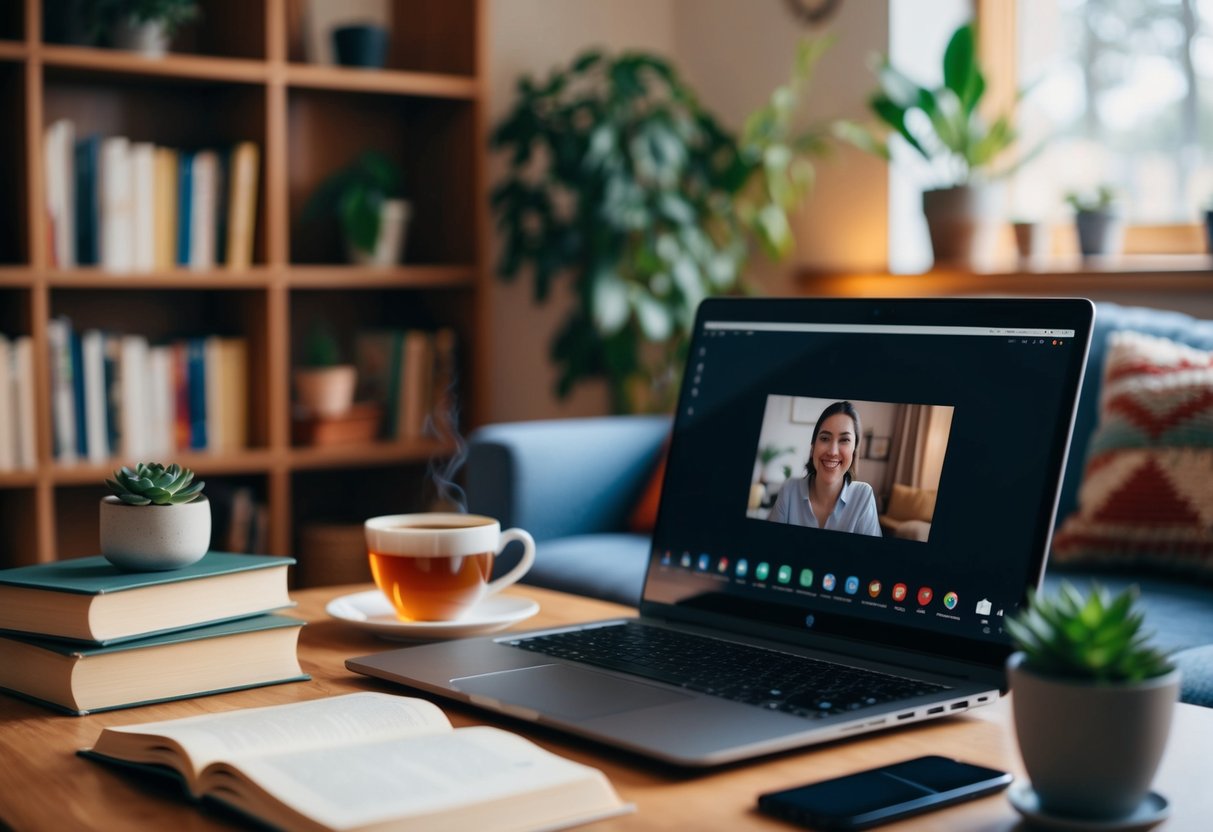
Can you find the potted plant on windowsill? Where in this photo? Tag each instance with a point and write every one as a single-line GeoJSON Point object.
{"type": "Point", "coordinates": [366, 197]}
{"type": "Point", "coordinates": [946, 126]}
{"type": "Point", "coordinates": [1092, 703]}
{"type": "Point", "coordinates": [1098, 221]}
{"type": "Point", "coordinates": [157, 518]}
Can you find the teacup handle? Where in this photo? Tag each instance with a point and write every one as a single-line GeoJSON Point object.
{"type": "Point", "coordinates": [524, 565]}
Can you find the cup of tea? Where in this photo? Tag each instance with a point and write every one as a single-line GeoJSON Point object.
{"type": "Point", "coordinates": [435, 566]}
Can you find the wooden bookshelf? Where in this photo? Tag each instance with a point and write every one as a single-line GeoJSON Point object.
{"type": "Point", "coordinates": [241, 74]}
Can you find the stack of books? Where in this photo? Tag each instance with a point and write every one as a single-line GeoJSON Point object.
{"type": "Point", "coordinates": [81, 636]}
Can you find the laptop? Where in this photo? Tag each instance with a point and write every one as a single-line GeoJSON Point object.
{"type": "Point", "coordinates": [784, 605]}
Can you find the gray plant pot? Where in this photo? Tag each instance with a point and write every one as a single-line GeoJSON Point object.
{"type": "Point", "coordinates": [154, 538]}
{"type": "Point", "coordinates": [1099, 232]}
{"type": "Point", "coordinates": [1091, 750]}
{"type": "Point", "coordinates": [963, 223]}
{"type": "Point", "coordinates": [1209, 230]}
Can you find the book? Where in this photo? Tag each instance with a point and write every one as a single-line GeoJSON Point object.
{"type": "Point", "coordinates": [8, 407]}
{"type": "Point", "coordinates": [82, 679]}
{"type": "Point", "coordinates": [59, 143]}
{"type": "Point", "coordinates": [242, 205]}
{"type": "Point", "coordinates": [416, 384]}
{"type": "Point", "coordinates": [23, 395]}
{"type": "Point", "coordinates": [185, 201]}
{"type": "Point", "coordinates": [115, 189]}
{"type": "Point", "coordinates": [143, 206]}
{"type": "Point", "coordinates": [164, 222]}
{"type": "Point", "coordinates": [204, 195]}
{"type": "Point", "coordinates": [196, 380]}
{"type": "Point", "coordinates": [81, 428]}
{"type": "Point", "coordinates": [363, 761]}
{"type": "Point", "coordinates": [63, 397]}
{"type": "Point", "coordinates": [88, 160]}
{"type": "Point", "coordinates": [92, 369]}
{"type": "Point", "coordinates": [90, 599]}
{"type": "Point", "coordinates": [377, 356]}
{"type": "Point", "coordinates": [161, 401]}
{"type": "Point", "coordinates": [132, 384]}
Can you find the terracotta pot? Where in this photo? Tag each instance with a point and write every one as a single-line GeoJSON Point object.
{"type": "Point", "coordinates": [1091, 750]}
{"type": "Point", "coordinates": [154, 538]}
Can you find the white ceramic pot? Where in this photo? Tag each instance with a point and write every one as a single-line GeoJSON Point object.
{"type": "Point", "coordinates": [147, 39]}
{"type": "Point", "coordinates": [1090, 749]}
{"type": "Point", "coordinates": [154, 538]}
{"type": "Point", "coordinates": [326, 391]}
{"type": "Point", "coordinates": [393, 234]}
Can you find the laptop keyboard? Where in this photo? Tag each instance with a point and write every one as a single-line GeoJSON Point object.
{"type": "Point", "coordinates": [769, 679]}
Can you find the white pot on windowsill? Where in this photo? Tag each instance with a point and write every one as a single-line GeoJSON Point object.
{"type": "Point", "coordinates": [393, 234]}
{"type": "Point", "coordinates": [147, 38]}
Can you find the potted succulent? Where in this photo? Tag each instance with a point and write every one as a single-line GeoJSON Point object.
{"type": "Point", "coordinates": [946, 126]}
{"type": "Point", "coordinates": [1098, 221]}
{"type": "Point", "coordinates": [620, 182]}
{"type": "Point", "coordinates": [323, 384]}
{"type": "Point", "coordinates": [157, 518]}
{"type": "Point", "coordinates": [366, 196]}
{"type": "Point", "coordinates": [1092, 702]}
{"type": "Point", "coordinates": [143, 26]}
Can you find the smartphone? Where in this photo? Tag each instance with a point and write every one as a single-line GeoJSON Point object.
{"type": "Point", "coordinates": [880, 795]}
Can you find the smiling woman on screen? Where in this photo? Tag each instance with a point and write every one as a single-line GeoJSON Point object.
{"type": "Point", "coordinates": [828, 496]}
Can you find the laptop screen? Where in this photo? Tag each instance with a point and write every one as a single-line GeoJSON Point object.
{"type": "Point", "coordinates": [878, 470]}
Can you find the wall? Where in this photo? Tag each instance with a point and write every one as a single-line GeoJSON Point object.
{"type": "Point", "coordinates": [734, 53]}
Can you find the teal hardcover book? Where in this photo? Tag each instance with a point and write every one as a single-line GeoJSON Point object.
{"type": "Point", "coordinates": [89, 599]}
{"type": "Point", "coordinates": [81, 679]}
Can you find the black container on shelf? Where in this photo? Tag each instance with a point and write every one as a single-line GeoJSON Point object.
{"type": "Point", "coordinates": [363, 45]}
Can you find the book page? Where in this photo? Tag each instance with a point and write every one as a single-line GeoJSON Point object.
{"type": "Point", "coordinates": [452, 774]}
{"type": "Point", "coordinates": [319, 723]}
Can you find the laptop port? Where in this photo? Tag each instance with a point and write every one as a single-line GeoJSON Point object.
{"type": "Point", "coordinates": [956, 706]}
{"type": "Point", "coordinates": [938, 710]}
{"type": "Point", "coordinates": [905, 716]}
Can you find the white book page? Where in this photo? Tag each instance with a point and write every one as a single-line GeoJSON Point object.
{"type": "Point", "coordinates": [318, 724]}
{"type": "Point", "coordinates": [358, 785]}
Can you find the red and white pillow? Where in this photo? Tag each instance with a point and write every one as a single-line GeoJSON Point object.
{"type": "Point", "coordinates": [1147, 492]}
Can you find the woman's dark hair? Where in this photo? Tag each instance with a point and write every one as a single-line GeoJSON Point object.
{"type": "Point", "coordinates": [834, 409]}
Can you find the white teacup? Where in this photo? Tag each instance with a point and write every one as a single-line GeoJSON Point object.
{"type": "Point", "coordinates": [436, 566]}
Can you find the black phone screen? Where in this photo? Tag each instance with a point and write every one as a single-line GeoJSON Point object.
{"type": "Point", "coordinates": [878, 795]}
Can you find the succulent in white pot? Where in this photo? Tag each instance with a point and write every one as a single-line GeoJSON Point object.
{"type": "Point", "coordinates": [1092, 700]}
{"type": "Point", "coordinates": [157, 518]}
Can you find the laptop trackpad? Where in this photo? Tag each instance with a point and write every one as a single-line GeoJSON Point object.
{"type": "Point", "coordinates": [566, 691]}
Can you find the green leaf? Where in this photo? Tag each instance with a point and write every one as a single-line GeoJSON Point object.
{"type": "Point", "coordinates": [609, 303]}
{"type": "Point", "coordinates": [653, 317]}
{"type": "Point", "coordinates": [960, 72]}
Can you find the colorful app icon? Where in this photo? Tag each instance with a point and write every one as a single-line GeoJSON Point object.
{"type": "Point", "coordinates": [874, 588]}
{"type": "Point", "coordinates": [785, 574]}
{"type": "Point", "coordinates": [704, 563]}
{"type": "Point", "coordinates": [743, 566]}
{"type": "Point", "coordinates": [806, 577]}
{"type": "Point", "coordinates": [763, 570]}
{"type": "Point", "coordinates": [984, 606]}
{"type": "Point", "coordinates": [829, 582]}
{"type": "Point", "coordinates": [951, 600]}
{"type": "Point", "coordinates": [899, 592]}
{"type": "Point", "coordinates": [686, 560]}
{"type": "Point", "coordinates": [925, 594]}
{"type": "Point", "coordinates": [722, 565]}
{"type": "Point", "coordinates": [852, 585]}
{"type": "Point", "coordinates": [666, 557]}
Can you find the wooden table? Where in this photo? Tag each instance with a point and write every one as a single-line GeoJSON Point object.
{"type": "Point", "coordinates": [44, 786]}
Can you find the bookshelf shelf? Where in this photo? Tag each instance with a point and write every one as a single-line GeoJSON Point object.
{"type": "Point", "coordinates": [425, 84]}
{"type": "Point", "coordinates": [241, 74]}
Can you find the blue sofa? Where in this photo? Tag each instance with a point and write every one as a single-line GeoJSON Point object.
{"type": "Point", "coordinates": [572, 483]}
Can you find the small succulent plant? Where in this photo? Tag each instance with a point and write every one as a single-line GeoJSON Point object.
{"type": "Point", "coordinates": [1095, 638]}
{"type": "Point", "coordinates": [151, 483]}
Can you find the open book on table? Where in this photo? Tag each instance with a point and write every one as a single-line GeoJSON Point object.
{"type": "Point", "coordinates": [364, 761]}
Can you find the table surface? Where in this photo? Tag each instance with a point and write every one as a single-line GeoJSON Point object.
{"type": "Point", "coordinates": [45, 786]}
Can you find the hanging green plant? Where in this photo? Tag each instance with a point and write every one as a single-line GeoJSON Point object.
{"type": "Point", "coordinates": [622, 183]}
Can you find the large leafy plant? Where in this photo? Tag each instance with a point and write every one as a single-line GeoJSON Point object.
{"type": "Point", "coordinates": [172, 14]}
{"type": "Point", "coordinates": [622, 183]}
{"type": "Point", "coordinates": [944, 124]}
{"type": "Point", "coordinates": [1097, 638]}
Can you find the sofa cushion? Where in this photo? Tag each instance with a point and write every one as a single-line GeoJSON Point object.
{"type": "Point", "coordinates": [607, 566]}
{"type": "Point", "coordinates": [909, 503]}
{"type": "Point", "coordinates": [1147, 497]}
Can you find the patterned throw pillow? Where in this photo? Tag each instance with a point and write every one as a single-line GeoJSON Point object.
{"type": "Point", "coordinates": [1147, 492]}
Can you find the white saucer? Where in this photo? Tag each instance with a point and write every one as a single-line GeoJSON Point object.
{"type": "Point", "coordinates": [372, 612]}
{"type": "Point", "coordinates": [1152, 811]}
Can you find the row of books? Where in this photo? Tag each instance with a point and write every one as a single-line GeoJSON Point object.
{"type": "Point", "coordinates": [18, 445]}
{"type": "Point", "coordinates": [136, 207]}
{"type": "Point", "coordinates": [412, 373]}
{"type": "Point", "coordinates": [118, 395]}
{"type": "Point", "coordinates": [81, 636]}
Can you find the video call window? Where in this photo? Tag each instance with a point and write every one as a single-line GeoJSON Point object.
{"type": "Point", "coordinates": [860, 467]}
